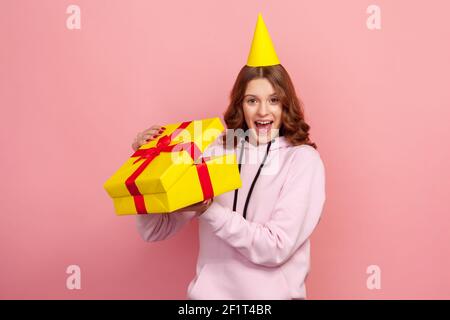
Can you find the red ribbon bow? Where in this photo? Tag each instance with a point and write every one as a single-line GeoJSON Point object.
{"type": "Point", "coordinates": [163, 146]}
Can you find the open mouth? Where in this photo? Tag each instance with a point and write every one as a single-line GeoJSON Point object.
{"type": "Point", "coordinates": [263, 125]}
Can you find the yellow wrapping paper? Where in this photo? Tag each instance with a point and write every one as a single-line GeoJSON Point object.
{"type": "Point", "coordinates": [168, 173]}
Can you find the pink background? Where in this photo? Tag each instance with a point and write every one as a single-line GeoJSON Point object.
{"type": "Point", "coordinates": [72, 101]}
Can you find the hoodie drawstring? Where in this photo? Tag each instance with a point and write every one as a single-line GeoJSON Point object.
{"type": "Point", "coordinates": [254, 180]}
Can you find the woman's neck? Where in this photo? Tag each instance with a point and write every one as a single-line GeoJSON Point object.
{"type": "Point", "coordinates": [256, 142]}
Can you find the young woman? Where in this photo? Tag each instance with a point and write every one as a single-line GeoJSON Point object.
{"type": "Point", "coordinates": [254, 241]}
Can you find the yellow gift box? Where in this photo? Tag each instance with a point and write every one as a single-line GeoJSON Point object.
{"type": "Point", "coordinates": [170, 173]}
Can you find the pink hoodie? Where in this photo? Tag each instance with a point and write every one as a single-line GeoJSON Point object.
{"type": "Point", "coordinates": [266, 255]}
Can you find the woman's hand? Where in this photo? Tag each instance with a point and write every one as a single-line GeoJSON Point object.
{"type": "Point", "coordinates": [203, 207]}
{"type": "Point", "coordinates": [199, 207]}
{"type": "Point", "coordinates": [148, 135]}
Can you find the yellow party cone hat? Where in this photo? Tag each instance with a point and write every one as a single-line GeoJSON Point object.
{"type": "Point", "coordinates": [262, 52]}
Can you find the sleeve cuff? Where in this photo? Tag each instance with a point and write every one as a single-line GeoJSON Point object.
{"type": "Point", "coordinates": [216, 215]}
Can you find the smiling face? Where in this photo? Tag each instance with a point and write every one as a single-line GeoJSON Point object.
{"type": "Point", "coordinates": [262, 110]}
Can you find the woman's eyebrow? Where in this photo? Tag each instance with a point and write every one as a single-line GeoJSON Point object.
{"type": "Point", "coordinates": [254, 95]}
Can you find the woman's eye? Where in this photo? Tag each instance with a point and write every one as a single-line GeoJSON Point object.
{"type": "Point", "coordinates": [275, 100]}
{"type": "Point", "coordinates": [251, 100]}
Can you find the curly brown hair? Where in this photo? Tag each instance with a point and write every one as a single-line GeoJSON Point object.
{"type": "Point", "coordinates": [293, 125]}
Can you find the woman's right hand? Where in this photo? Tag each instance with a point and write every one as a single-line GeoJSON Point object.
{"type": "Point", "coordinates": [147, 135]}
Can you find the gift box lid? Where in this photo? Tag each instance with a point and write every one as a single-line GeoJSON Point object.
{"type": "Point", "coordinates": [157, 165]}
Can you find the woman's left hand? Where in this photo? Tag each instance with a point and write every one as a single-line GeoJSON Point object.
{"type": "Point", "coordinates": [204, 206]}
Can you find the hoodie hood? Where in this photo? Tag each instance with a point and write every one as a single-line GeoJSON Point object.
{"type": "Point", "coordinates": [279, 142]}
{"type": "Point", "coordinates": [217, 147]}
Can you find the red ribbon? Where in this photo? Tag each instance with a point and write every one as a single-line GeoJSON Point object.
{"type": "Point", "coordinates": [163, 146]}
{"type": "Point", "coordinates": [205, 179]}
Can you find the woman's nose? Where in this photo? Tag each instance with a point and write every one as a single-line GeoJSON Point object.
{"type": "Point", "coordinates": [262, 109]}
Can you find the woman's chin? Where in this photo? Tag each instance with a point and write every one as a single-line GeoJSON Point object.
{"type": "Point", "coordinates": [264, 136]}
